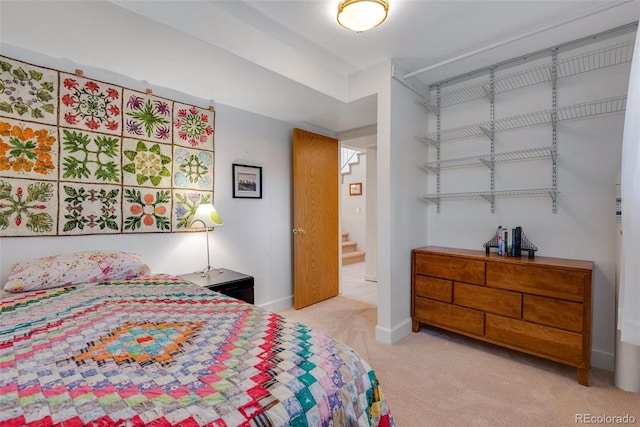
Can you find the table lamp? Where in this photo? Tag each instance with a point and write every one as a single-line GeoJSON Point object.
{"type": "Point", "coordinates": [206, 217]}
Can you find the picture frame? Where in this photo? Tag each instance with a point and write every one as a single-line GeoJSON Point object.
{"type": "Point", "coordinates": [247, 181]}
{"type": "Point", "coordinates": [355, 189]}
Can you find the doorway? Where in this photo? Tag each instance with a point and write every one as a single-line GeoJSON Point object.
{"type": "Point", "coordinates": [358, 219]}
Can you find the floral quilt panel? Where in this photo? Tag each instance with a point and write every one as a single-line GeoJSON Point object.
{"type": "Point", "coordinates": [28, 208]}
{"type": "Point", "coordinates": [28, 92]}
{"type": "Point", "coordinates": [147, 117]}
{"type": "Point", "coordinates": [90, 105]}
{"type": "Point", "coordinates": [28, 150]}
{"type": "Point", "coordinates": [147, 210]}
{"type": "Point", "coordinates": [90, 157]}
{"type": "Point", "coordinates": [192, 168]}
{"type": "Point", "coordinates": [185, 205]}
{"type": "Point", "coordinates": [159, 351]}
{"type": "Point", "coordinates": [193, 126]}
{"type": "Point", "coordinates": [89, 209]}
{"type": "Point", "coordinates": [100, 158]}
{"type": "Point", "coordinates": [147, 163]}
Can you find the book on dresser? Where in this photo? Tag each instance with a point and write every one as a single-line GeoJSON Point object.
{"type": "Point", "coordinates": [540, 306]}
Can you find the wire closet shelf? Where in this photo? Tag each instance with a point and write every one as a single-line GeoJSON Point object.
{"type": "Point", "coordinates": [489, 159]}
{"type": "Point", "coordinates": [590, 61]}
{"type": "Point", "coordinates": [557, 68]}
{"type": "Point", "coordinates": [490, 195]}
{"type": "Point", "coordinates": [539, 118]}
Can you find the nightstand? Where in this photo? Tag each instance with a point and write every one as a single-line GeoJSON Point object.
{"type": "Point", "coordinates": [228, 282]}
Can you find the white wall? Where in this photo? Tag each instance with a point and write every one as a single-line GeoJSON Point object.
{"type": "Point", "coordinates": [353, 213]}
{"type": "Point", "coordinates": [259, 240]}
{"type": "Point", "coordinates": [589, 153]}
{"type": "Point", "coordinates": [408, 214]}
{"type": "Point", "coordinates": [256, 236]}
{"type": "Point", "coordinates": [401, 216]}
{"type": "Point", "coordinates": [371, 260]}
{"type": "Point", "coordinates": [376, 80]}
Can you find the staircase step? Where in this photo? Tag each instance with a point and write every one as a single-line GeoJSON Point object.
{"type": "Point", "coordinates": [352, 257]}
{"type": "Point", "coordinates": [348, 247]}
{"type": "Point", "coordinates": [345, 236]}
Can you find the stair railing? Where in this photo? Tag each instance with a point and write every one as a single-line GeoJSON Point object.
{"type": "Point", "coordinates": [347, 155]}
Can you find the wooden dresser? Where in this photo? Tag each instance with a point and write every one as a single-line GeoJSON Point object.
{"type": "Point", "coordinates": [540, 306]}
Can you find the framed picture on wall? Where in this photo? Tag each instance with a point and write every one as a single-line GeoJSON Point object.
{"type": "Point", "coordinates": [247, 181]}
{"type": "Point", "coordinates": [355, 189]}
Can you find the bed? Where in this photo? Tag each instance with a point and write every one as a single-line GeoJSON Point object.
{"type": "Point", "coordinates": [154, 350]}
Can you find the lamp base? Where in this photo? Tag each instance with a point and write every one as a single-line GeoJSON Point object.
{"type": "Point", "coordinates": [207, 269]}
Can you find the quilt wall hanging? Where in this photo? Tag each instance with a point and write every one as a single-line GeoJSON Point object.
{"type": "Point", "coordinates": [80, 156]}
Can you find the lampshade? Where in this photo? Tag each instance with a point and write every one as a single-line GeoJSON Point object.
{"type": "Point", "coordinates": [206, 216]}
{"type": "Point", "coordinates": [362, 15]}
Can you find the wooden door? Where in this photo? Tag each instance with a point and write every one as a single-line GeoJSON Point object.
{"type": "Point", "coordinates": [315, 218]}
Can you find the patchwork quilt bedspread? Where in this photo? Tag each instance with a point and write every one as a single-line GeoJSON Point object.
{"type": "Point", "coordinates": [158, 351]}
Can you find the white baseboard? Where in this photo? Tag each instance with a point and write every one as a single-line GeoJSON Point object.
{"type": "Point", "coordinates": [394, 335]}
{"type": "Point", "coordinates": [602, 359]}
{"type": "Point", "coordinates": [278, 305]}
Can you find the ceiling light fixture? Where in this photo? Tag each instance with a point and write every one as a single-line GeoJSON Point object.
{"type": "Point", "coordinates": [362, 15]}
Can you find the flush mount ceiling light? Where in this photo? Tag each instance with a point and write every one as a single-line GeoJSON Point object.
{"type": "Point", "coordinates": [362, 15]}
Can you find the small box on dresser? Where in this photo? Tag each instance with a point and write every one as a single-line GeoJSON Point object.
{"type": "Point", "coordinates": [225, 281]}
{"type": "Point", "coordinates": [540, 306]}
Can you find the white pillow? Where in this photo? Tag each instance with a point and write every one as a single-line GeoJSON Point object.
{"type": "Point", "coordinates": [74, 268]}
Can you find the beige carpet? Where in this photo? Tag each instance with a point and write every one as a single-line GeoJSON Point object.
{"type": "Point", "coordinates": [434, 378]}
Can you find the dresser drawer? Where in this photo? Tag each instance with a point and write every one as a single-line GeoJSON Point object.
{"type": "Point", "coordinates": [430, 287]}
{"type": "Point", "coordinates": [555, 343]}
{"type": "Point", "coordinates": [552, 312]}
{"type": "Point", "coordinates": [449, 316]}
{"type": "Point", "coordinates": [552, 282]}
{"type": "Point", "coordinates": [496, 301]}
{"type": "Point", "coordinates": [452, 268]}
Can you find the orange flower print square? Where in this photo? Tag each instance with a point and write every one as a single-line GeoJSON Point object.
{"type": "Point", "coordinates": [28, 150]}
{"type": "Point", "coordinates": [146, 210]}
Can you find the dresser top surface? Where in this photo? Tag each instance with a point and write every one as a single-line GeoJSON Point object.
{"type": "Point", "coordinates": [524, 260]}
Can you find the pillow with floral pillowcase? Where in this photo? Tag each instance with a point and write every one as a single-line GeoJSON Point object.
{"type": "Point", "coordinates": [74, 268]}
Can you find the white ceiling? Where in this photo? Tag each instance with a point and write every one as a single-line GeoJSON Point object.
{"type": "Point", "coordinates": [298, 48]}
{"type": "Point", "coordinates": [301, 40]}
